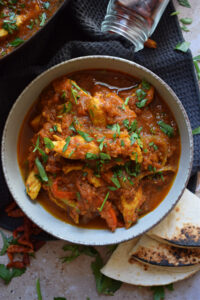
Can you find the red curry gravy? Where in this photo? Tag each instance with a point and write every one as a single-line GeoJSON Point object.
{"type": "Point", "coordinates": [129, 123]}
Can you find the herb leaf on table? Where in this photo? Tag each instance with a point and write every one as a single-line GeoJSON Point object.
{"type": "Point", "coordinates": [196, 131]}
{"type": "Point", "coordinates": [7, 241]}
{"type": "Point", "coordinates": [159, 291]}
{"type": "Point", "coordinates": [8, 274]}
{"type": "Point", "coordinates": [183, 47]}
{"type": "Point", "coordinates": [184, 3]}
{"type": "Point", "coordinates": [104, 284]}
{"type": "Point", "coordinates": [39, 295]}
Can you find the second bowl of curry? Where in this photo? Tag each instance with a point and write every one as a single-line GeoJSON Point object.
{"type": "Point", "coordinates": [104, 151]}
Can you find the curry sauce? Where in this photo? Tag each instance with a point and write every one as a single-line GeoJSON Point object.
{"type": "Point", "coordinates": [99, 149]}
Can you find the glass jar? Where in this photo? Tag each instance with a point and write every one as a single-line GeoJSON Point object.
{"type": "Point", "coordinates": [135, 20]}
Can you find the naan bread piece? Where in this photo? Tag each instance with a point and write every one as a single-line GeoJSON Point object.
{"type": "Point", "coordinates": [118, 267]}
{"type": "Point", "coordinates": [181, 227]}
{"type": "Point", "coordinates": [154, 253]}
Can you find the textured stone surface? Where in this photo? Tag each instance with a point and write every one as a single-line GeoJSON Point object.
{"type": "Point", "coordinates": [75, 280]}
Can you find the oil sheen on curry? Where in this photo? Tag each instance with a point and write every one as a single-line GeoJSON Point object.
{"type": "Point", "coordinates": [20, 19]}
{"type": "Point", "coordinates": [99, 147]}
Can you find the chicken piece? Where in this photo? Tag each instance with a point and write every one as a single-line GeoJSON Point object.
{"type": "Point", "coordinates": [76, 149]}
{"type": "Point", "coordinates": [3, 32]}
{"type": "Point", "coordinates": [67, 169]}
{"type": "Point", "coordinates": [36, 122]}
{"type": "Point", "coordinates": [114, 109]}
{"type": "Point", "coordinates": [128, 207]}
{"type": "Point", "coordinates": [33, 185]}
{"type": "Point", "coordinates": [96, 112]}
{"type": "Point", "coordinates": [62, 87]}
{"type": "Point", "coordinates": [96, 182]}
{"type": "Point", "coordinates": [122, 147]}
{"type": "Point", "coordinates": [149, 95]}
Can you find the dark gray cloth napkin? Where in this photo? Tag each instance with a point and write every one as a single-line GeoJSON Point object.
{"type": "Point", "coordinates": [76, 32]}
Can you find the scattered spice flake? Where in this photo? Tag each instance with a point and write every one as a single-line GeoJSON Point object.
{"type": "Point", "coordinates": [150, 44]}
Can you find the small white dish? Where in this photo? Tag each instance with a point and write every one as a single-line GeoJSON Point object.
{"type": "Point", "coordinates": [35, 211]}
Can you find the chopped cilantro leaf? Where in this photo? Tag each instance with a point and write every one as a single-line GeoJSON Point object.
{"type": "Point", "coordinates": [39, 294]}
{"type": "Point", "coordinates": [67, 140]}
{"type": "Point", "coordinates": [7, 241]}
{"type": "Point", "coordinates": [196, 131]}
{"type": "Point", "coordinates": [175, 13]}
{"type": "Point", "coordinates": [186, 21]}
{"type": "Point", "coordinates": [71, 153]}
{"type": "Point", "coordinates": [184, 3]}
{"type": "Point", "coordinates": [8, 274]}
{"type": "Point", "coordinates": [145, 85]}
{"type": "Point", "coordinates": [46, 5]}
{"type": "Point", "coordinates": [85, 135]}
{"type": "Point", "coordinates": [78, 196]}
{"type": "Point", "coordinates": [167, 129]}
{"type": "Point", "coordinates": [116, 182]}
{"type": "Point", "coordinates": [104, 156]}
{"type": "Point", "coordinates": [104, 201]}
{"type": "Point", "coordinates": [140, 94]}
{"type": "Point", "coordinates": [16, 42]}
{"type": "Point", "coordinates": [90, 156]}
{"type": "Point", "coordinates": [41, 170]}
{"type": "Point", "coordinates": [42, 18]}
{"type": "Point", "coordinates": [48, 143]}
{"type": "Point", "coordinates": [183, 47]}
{"type": "Point", "coordinates": [141, 103]}
{"type": "Point", "coordinates": [122, 143]}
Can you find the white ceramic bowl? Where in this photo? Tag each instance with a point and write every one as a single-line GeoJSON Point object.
{"type": "Point", "coordinates": [34, 210]}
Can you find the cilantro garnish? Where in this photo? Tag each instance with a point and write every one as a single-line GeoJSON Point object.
{"type": "Point", "coordinates": [8, 274]}
{"type": "Point", "coordinates": [85, 135]}
{"type": "Point", "coordinates": [90, 156]}
{"type": "Point", "coordinates": [116, 182]}
{"type": "Point", "coordinates": [67, 140]}
{"type": "Point", "coordinates": [183, 47]}
{"type": "Point", "coordinates": [37, 148]}
{"type": "Point", "coordinates": [184, 3]}
{"type": "Point", "coordinates": [167, 129]}
{"type": "Point", "coordinates": [196, 131]}
{"type": "Point", "coordinates": [104, 201]}
{"type": "Point", "coordinates": [48, 143]}
{"type": "Point", "coordinates": [41, 170]}
{"type": "Point", "coordinates": [39, 295]}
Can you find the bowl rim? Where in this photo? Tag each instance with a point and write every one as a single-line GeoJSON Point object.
{"type": "Point", "coordinates": [94, 57]}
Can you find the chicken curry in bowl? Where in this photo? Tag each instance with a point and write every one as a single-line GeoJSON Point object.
{"type": "Point", "coordinates": [99, 145]}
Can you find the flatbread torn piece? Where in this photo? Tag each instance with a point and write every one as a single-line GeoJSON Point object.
{"type": "Point", "coordinates": [181, 227]}
{"type": "Point", "coordinates": [120, 267]}
{"type": "Point", "coordinates": [157, 254]}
